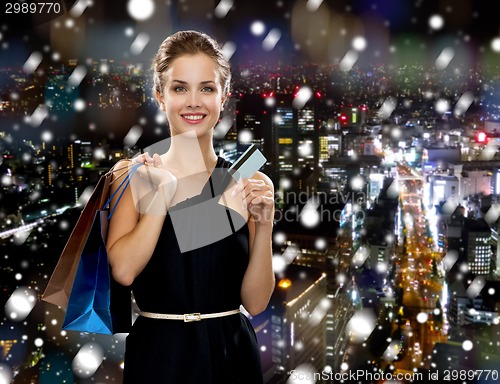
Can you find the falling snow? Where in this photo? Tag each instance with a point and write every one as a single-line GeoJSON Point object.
{"type": "Point", "coordinates": [344, 50]}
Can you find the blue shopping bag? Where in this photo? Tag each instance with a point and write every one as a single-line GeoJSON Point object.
{"type": "Point", "coordinates": [97, 303]}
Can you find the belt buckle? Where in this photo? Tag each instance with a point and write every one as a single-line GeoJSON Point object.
{"type": "Point", "coordinates": [189, 317]}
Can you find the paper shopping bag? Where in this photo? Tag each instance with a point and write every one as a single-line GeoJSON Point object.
{"type": "Point", "coordinates": [81, 281]}
{"type": "Point", "coordinates": [59, 286]}
{"type": "Point", "coordinates": [89, 305]}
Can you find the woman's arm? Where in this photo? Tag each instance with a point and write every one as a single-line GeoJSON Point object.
{"type": "Point", "coordinates": [258, 282]}
{"type": "Point", "coordinates": [133, 230]}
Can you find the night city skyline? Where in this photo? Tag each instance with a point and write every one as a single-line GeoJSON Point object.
{"type": "Point", "coordinates": [380, 122]}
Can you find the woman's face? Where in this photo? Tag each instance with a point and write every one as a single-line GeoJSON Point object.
{"type": "Point", "coordinates": [192, 98]}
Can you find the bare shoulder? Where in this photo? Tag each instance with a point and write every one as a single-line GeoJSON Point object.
{"type": "Point", "coordinates": [120, 167]}
{"type": "Point", "coordinates": [262, 176]}
{"type": "Point", "coordinates": [121, 164]}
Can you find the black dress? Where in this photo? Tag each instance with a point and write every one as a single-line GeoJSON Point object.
{"type": "Point", "coordinates": [207, 279]}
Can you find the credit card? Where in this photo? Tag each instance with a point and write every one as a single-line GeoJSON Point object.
{"type": "Point", "coordinates": [248, 163]}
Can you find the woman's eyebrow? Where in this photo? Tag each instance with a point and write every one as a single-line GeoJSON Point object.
{"type": "Point", "coordinates": [201, 82]}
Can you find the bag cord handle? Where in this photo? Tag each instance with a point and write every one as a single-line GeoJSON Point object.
{"type": "Point", "coordinates": [121, 189]}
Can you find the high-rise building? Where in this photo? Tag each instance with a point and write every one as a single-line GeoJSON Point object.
{"type": "Point", "coordinates": [477, 235]}
{"type": "Point", "coordinates": [292, 331]}
{"type": "Point", "coordinates": [495, 181]}
{"type": "Point", "coordinates": [495, 246]}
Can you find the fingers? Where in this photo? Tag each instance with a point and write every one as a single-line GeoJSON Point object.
{"type": "Point", "coordinates": [254, 192]}
{"type": "Point", "coordinates": [157, 160]}
{"type": "Point", "coordinates": [247, 185]}
{"type": "Point", "coordinates": [143, 158]}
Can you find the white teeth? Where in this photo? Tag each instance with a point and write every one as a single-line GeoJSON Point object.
{"type": "Point", "coordinates": [193, 117]}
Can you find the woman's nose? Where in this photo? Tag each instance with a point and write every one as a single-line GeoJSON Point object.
{"type": "Point", "coordinates": [193, 99]}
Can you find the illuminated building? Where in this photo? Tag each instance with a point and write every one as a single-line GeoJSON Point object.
{"type": "Point", "coordinates": [439, 158]}
{"type": "Point", "coordinates": [283, 125]}
{"type": "Point", "coordinates": [477, 235]}
{"type": "Point", "coordinates": [442, 188]}
{"type": "Point", "coordinates": [6, 345]}
{"type": "Point", "coordinates": [495, 246]}
{"type": "Point", "coordinates": [495, 182]}
{"type": "Point", "coordinates": [292, 331]}
{"type": "Point", "coordinates": [474, 182]}
{"type": "Point", "coordinates": [289, 136]}
{"type": "Point", "coordinates": [470, 307]}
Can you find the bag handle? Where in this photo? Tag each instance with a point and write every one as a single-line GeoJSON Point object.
{"type": "Point", "coordinates": [111, 171]}
{"type": "Point", "coordinates": [121, 188]}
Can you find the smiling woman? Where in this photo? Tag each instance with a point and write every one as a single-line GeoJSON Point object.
{"type": "Point", "coordinates": [194, 246]}
{"type": "Point", "coordinates": [192, 94]}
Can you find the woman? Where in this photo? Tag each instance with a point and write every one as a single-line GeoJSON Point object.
{"type": "Point", "coordinates": [190, 329]}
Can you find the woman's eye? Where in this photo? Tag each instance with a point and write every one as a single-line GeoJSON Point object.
{"type": "Point", "coordinates": [179, 89]}
{"type": "Point", "coordinates": [207, 89]}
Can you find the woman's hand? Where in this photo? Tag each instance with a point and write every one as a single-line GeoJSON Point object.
{"type": "Point", "coordinates": [258, 199]}
{"type": "Point", "coordinates": [155, 185]}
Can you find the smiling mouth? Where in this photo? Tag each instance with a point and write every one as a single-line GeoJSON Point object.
{"type": "Point", "coordinates": [193, 117]}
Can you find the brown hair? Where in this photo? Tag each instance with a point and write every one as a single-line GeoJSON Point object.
{"type": "Point", "coordinates": [189, 43]}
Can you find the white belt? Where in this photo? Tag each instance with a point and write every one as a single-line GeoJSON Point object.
{"type": "Point", "coordinates": [188, 317]}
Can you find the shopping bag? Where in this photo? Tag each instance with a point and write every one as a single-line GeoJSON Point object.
{"type": "Point", "coordinates": [59, 286]}
{"type": "Point", "coordinates": [95, 302]}
{"type": "Point", "coordinates": [89, 305]}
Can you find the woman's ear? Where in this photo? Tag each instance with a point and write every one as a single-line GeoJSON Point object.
{"type": "Point", "coordinates": [223, 102]}
{"type": "Point", "coordinates": [159, 100]}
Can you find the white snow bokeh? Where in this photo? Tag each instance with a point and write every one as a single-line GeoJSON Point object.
{"type": "Point", "coordinates": [444, 58]}
{"type": "Point", "coordinates": [5, 374]}
{"type": "Point", "coordinates": [280, 262]}
{"type": "Point", "coordinates": [422, 317]}
{"type": "Point", "coordinates": [245, 136]}
{"type": "Point", "coordinates": [313, 5]}
{"type": "Point", "coordinates": [228, 49]}
{"type": "Point", "coordinates": [357, 183]}
{"type": "Point", "coordinates": [348, 61]}
{"type": "Point", "coordinates": [450, 259]}
{"type": "Point", "coordinates": [388, 106]}
{"type": "Point", "coordinates": [80, 7]}
{"type": "Point", "coordinates": [309, 215]}
{"type": "Point", "coordinates": [20, 303]}
{"type": "Point", "coordinates": [467, 345]}
{"type": "Point", "coordinates": [272, 38]}
{"type": "Point", "coordinates": [257, 28]}
{"type": "Point", "coordinates": [360, 256]}
{"type": "Point", "coordinates": [359, 43]}
{"type": "Point", "coordinates": [33, 62]}
{"type": "Point", "coordinates": [302, 374]}
{"type": "Point", "coordinates": [223, 8]}
{"type": "Point", "coordinates": [436, 22]}
{"type": "Point", "coordinates": [222, 127]}
{"type": "Point", "coordinates": [475, 287]}
{"type": "Point", "coordinates": [361, 325]}
{"type": "Point", "coordinates": [77, 76]}
{"type": "Point", "coordinates": [495, 44]}
{"type": "Point", "coordinates": [319, 312]}
{"type": "Point", "coordinates": [139, 43]}
{"type": "Point", "coordinates": [442, 106]}
{"type": "Point", "coordinates": [132, 136]}
{"type": "Point", "coordinates": [391, 351]}
{"type": "Point", "coordinates": [38, 116]}
{"type": "Point", "coordinates": [87, 360]}
{"type": "Point", "coordinates": [306, 148]}
{"type": "Point", "coordinates": [302, 97]}
{"type": "Point", "coordinates": [141, 10]}
{"type": "Point", "coordinates": [463, 104]}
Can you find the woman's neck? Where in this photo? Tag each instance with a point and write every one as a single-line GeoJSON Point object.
{"type": "Point", "coordinates": [190, 154]}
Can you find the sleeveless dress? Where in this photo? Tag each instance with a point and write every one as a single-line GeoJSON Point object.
{"type": "Point", "coordinates": [205, 279]}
